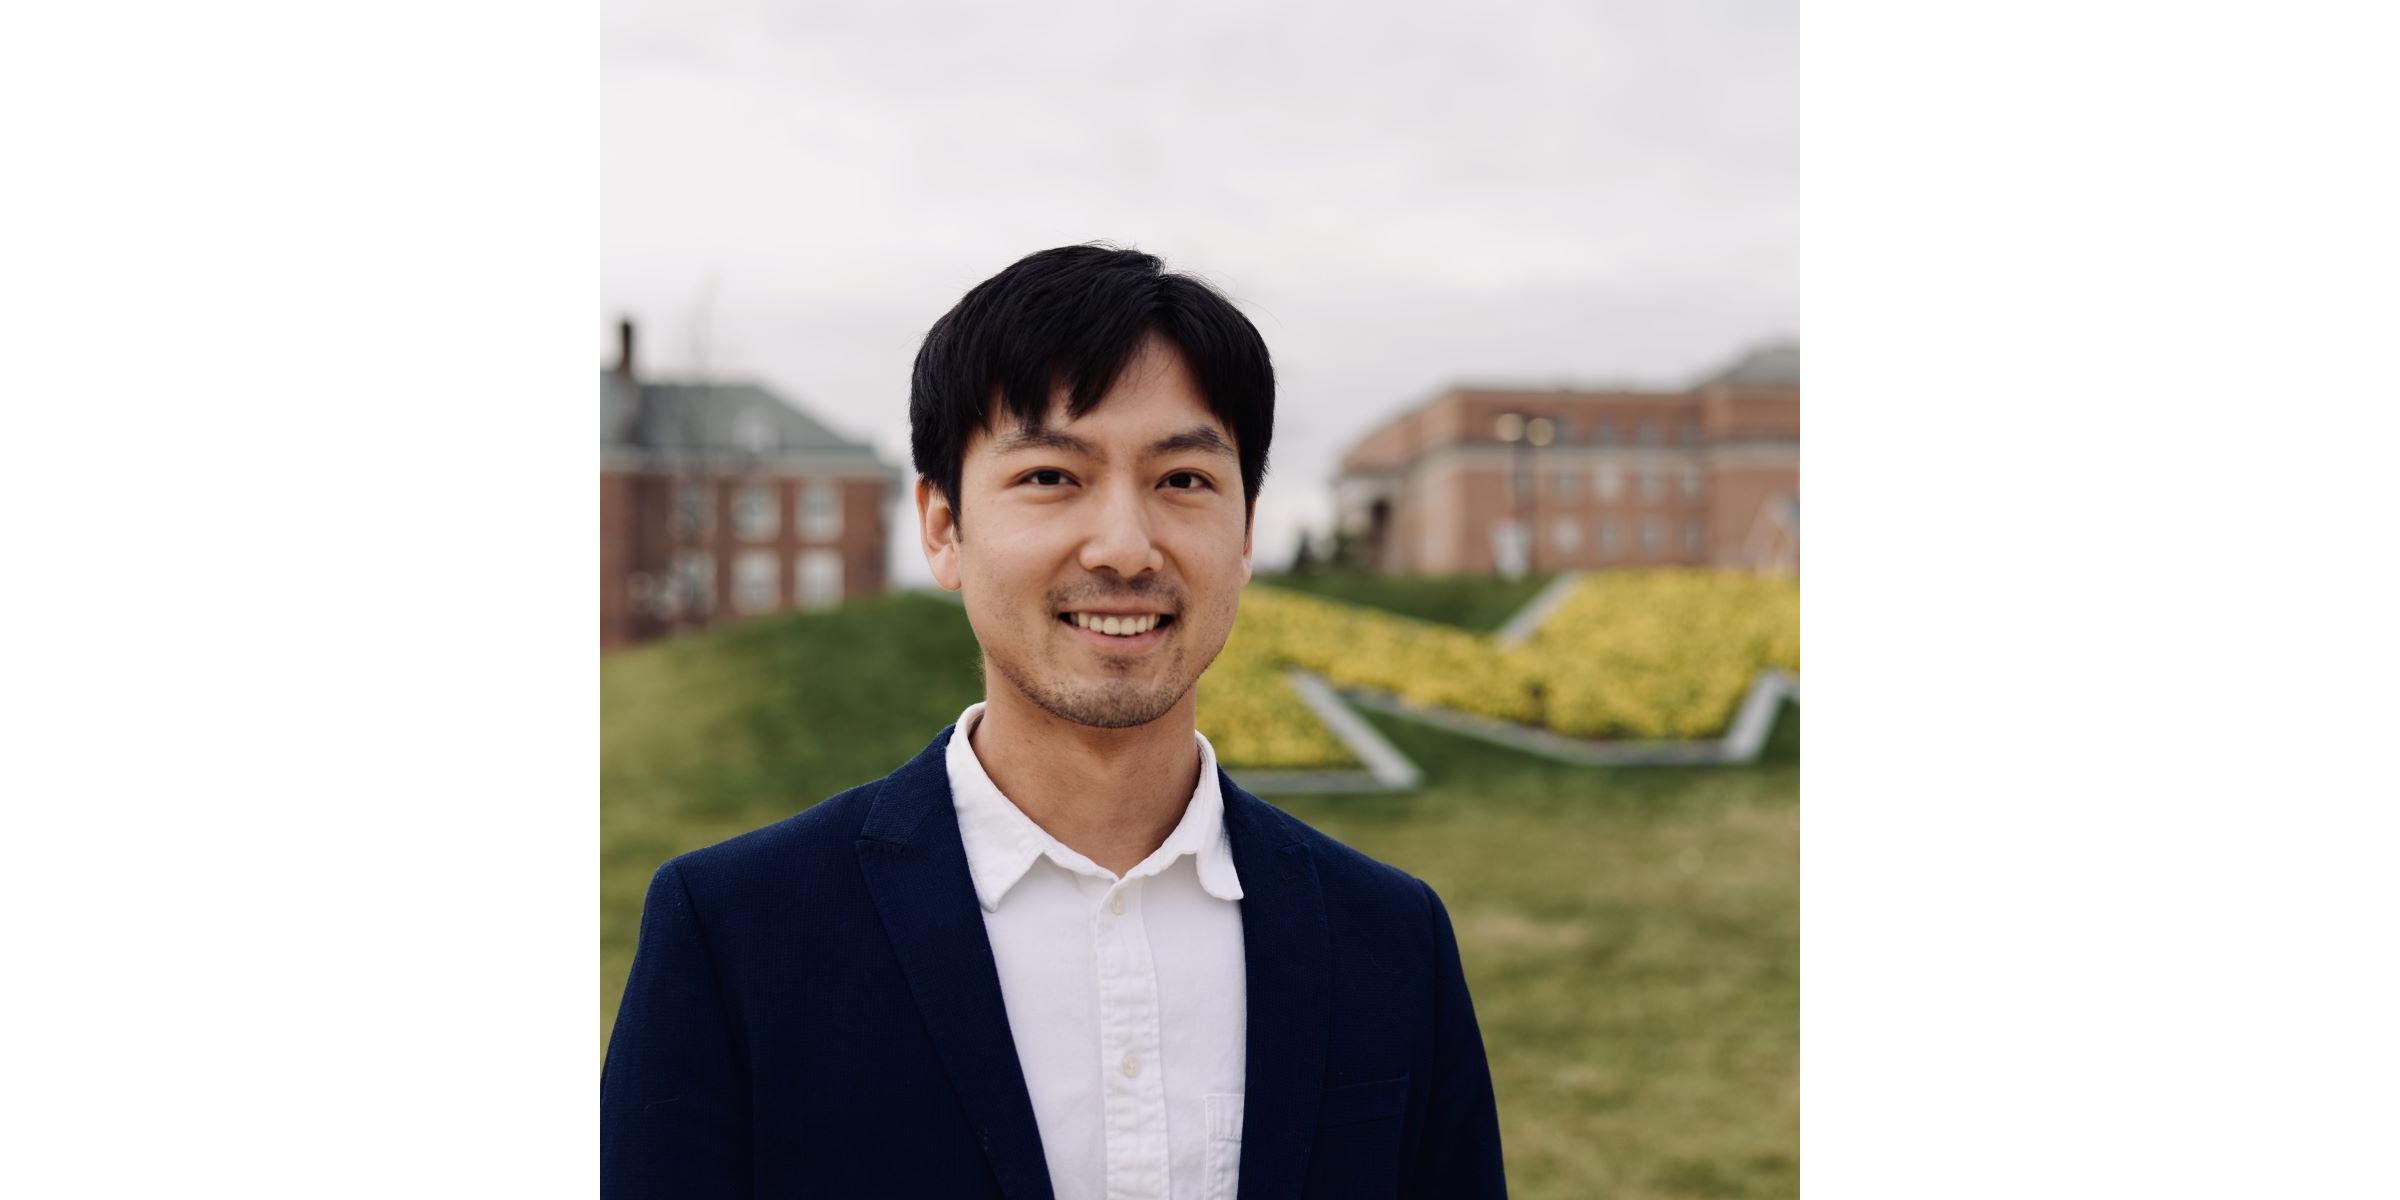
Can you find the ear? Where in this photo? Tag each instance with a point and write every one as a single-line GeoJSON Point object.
{"type": "Point", "coordinates": [1247, 525]}
{"type": "Point", "coordinates": [937, 534]}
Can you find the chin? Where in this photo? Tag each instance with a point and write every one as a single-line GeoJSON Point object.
{"type": "Point", "coordinates": [1100, 706]}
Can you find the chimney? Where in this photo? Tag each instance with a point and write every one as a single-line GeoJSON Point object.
{"type": "Point", "coordinates": [625, 347]}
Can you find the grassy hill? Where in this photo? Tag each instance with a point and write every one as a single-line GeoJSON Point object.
{"type": "Point", "coordinates": [715, 734]}
{"type": "Point", "coordinates": [1632, 937]}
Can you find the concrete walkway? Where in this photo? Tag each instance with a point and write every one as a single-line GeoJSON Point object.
{"type": "Point", "coordinates": [1743, 739]}
{"type": "Point", "coordinates": [1387, 769]}
{"type": "Point", "coordinates": [1521, 625]}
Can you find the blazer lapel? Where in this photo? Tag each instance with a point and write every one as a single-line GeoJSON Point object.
{"type": "Point", "coordinates": [1287, 954]}
{"type": "Point", "coordinates": [916, 868]}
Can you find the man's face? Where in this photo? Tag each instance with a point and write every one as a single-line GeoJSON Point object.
{"type": "Point", "coordinates": [1134, 511]}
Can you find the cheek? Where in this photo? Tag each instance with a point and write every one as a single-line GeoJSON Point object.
{"type": "Point", "coordinates": [1004, 596]}
{"type": "Point", "coordinates": [1012, 551]}
{"type": "Point", "coordinates": [1225, 606]}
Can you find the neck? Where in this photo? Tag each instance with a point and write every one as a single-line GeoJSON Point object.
{"type": "Point", "coordinates": [1111, 795]}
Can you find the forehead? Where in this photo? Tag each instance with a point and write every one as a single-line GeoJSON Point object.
{"type": "Point", "coordinates": [1155, 395]}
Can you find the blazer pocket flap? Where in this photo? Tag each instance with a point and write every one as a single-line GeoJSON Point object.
{"type": "Point", "coordinates": [1357, 1102]}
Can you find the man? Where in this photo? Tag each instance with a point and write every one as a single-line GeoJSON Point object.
{"type": "Point", "coordinates": [1059, 953]}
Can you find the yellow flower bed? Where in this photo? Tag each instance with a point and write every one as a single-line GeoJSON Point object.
{"type": "Point", "coordinates": [1631, 654]}
{"type": "Point", "coordinates": [1254, 718]}
{"type": "Point", "coordinates": [1660, 654]}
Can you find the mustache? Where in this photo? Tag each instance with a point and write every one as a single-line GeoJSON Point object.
{"type": "Point", "coordinates": [1171, 598]}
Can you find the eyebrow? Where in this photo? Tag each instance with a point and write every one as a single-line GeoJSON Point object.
{"type": "Point", "coordinates": [1198, 437]}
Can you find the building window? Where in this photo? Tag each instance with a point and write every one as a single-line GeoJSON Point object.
{"type": "Point", "coordinates": [1694, 537]}
{"type": "Point", "coordinates": [1566, 535]}
{"type": "Point", "coordinates": [1605, 432]}
{"type": "Point", "coordinates": [695, 585]}
{"type": "Point", "coordinates": [695, 510]}
{"type": "Point", "coordinates": [1650, 433]}
{"type": "Point", "coordinates": [1566, 484]}
{"type": "Point", "coordinates": [819, 578]}
{"type": "Point", "coordinates": [754, 580]}
{"type": "Point", "coordinates": [1691, 433]}
{"type": "Point", "coordinates": [1512, 546]}
{"type": "Point", "coordinates": [1650, 484]}
{"type": "Point", "coordinates": [821, 510]}
{"type": "Point", "coordinates": [756, 515]}
{"type": "Point", "coordinates": [1608, 538]}
{"type": "Point", "coordinates": [1691, 483]}
{"type": "Point", "coordinates": [1652, 535]}
{"type": "Point", "coordinates": [1612, 483]}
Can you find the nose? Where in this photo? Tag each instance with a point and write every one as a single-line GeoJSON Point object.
{"type": "Point", "coordinates": [1121, 541]}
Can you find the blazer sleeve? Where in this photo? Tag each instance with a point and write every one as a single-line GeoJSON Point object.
{"type": "Point", "coordinates": [674, 1096]}
{"type": "Point", "coordinates": [1459, 1152]}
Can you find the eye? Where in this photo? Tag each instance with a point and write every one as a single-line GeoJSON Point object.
{"type": "Point", "coordinates": [1046, 478]}
{"type": "Point", "coordinates": [1198, 481]}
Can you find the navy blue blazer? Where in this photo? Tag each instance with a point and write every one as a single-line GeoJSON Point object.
{"type": "Point", "coordinates": [813, 1011]}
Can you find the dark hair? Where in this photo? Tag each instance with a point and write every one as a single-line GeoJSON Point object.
{"type": "Point", "coordinates": [1073, 316]}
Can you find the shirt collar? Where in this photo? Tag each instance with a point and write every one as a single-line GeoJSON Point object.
{"type": "Point", "coordinates": [1003, 843]}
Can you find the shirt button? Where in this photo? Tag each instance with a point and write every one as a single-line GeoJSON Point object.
{"type": "Point", "coordinates": [1133, 1065]}
{"type": "Point", "coordinates": [1116, 904]}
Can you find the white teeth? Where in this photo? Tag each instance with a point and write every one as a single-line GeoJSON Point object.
{"type": "Point", "coordinates": [1117, 626]}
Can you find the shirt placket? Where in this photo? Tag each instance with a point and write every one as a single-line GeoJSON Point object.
{"type": "Point", "coordinates": [1133, 1080]}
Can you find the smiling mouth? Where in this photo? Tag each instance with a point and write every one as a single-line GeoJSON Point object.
{"type": "Point", "coordinates": [1119, 628]}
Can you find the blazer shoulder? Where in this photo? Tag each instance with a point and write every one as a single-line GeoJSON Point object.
{"type": "Point", "coordinates": [1344, 872]}
{"type": "Point", "coordinates": [826, 827]}
{"type": "Point", "coordinates": [749, 873]}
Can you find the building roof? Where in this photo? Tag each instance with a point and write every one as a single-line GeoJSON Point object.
{"type": "Point", "coordinates": [1772, 363]}
{"type": "Point", "coordinates": [619, 397]}
{"type": "Point", "coordinates": [729, 421]}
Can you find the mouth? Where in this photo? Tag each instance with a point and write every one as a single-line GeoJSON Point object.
{"type": "Point", "coordinates": [1119, 633]}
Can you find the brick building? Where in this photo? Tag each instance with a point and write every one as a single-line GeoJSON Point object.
{"type": "Point", "coordinates": [1480, 480]}
{"type": "Point", "coordinates": [720, 501]}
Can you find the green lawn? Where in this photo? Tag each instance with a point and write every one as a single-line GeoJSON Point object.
{"type": "Point", "coordinates": [1479, 602]}
{"type": "Point", "coordinates": [711, 735]}
{"type": "Point", "coordinates": [1631, 936]}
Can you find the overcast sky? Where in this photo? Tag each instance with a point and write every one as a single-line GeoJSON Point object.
{"type": "Point", "coordinates": [1402, 196]}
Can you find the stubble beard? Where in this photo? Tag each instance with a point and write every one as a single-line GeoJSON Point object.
{"type": "Point", "coordinates": [1116, 704]}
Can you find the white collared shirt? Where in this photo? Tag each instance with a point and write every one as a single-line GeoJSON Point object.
{"type": "Point", "coordinates": [1126, 997]}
